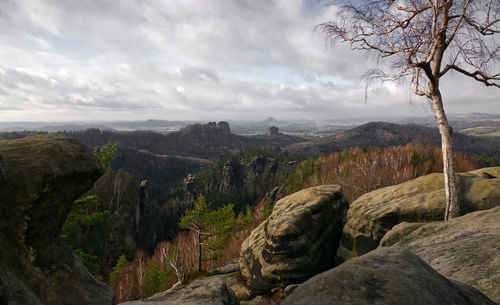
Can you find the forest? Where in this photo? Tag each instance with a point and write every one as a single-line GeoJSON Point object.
{"type": "Point", "coordinates": [154, 220]}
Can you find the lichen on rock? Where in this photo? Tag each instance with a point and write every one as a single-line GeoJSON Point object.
{"type": "Point", "coordinates": [372, 215]}
{"type": "Point", "coordinates": [297, 241]}
{"type": "Point", "coordinates": [388, 276]}
{"type": "Point", "coordinates": [465, 249]}
{"type": "Point", "coordinates": [44, 174]}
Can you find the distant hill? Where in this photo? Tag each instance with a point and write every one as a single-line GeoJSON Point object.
{"type": "Point", "coordinates": [205, 141]}
{"type": "Point", "coordinates": [475, 123]}
{"type": "Point", "coordinates": [383, 134]}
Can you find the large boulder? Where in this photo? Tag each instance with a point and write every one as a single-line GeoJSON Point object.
{"type": "Point", "coordinates": [372, 215]}
{"type": "Point", "coordinates": [297, 241]}
{"type": "Point", "coordinates": [43, 175]}
{"type": "Point", "coordinates": [386, 276]}
{"type": "Point", "coordinates": [207, 291]}
{"type": "Point", "coordinates": [466, 249]}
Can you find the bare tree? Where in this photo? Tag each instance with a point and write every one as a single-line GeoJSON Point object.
{"type": "Point", "coordinates": [424, 40]}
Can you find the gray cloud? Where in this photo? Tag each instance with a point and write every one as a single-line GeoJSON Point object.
{"type": "Point", "coordinates": [189, 59]}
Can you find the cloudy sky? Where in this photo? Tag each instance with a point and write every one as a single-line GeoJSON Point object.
{"type": "Point", "coordinates": [63, 60]}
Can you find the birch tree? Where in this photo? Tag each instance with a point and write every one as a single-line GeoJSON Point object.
{"type": "Point", "coordinates": [422, 41]}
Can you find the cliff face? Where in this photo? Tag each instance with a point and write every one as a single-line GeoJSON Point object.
{"type": "Point", "coordinates": [40, 178]}
{"type": "Point", "coordinates": [240, 179]}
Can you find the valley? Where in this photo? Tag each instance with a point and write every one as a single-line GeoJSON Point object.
{"type": "Point", "coordinates": [154, 178]}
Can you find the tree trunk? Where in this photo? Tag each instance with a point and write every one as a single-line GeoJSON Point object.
{"type": "Point", "coordinates": [199, 252]}
{"type": "Point", "coordinates": [450, 184]}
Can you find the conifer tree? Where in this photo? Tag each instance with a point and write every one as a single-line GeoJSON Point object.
{"type": "Point", "coordinates": [212, 227]}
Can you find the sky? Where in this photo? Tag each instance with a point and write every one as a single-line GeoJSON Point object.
{"type": "Point", "coordinates": [65, 60]}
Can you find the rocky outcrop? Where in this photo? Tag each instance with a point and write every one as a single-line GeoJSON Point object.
{"type": "Point", "coordinates": [386, 276]}
{"type": "Point", "coordinates": [297, 241]}
{"type": "Point", "coordinates": [206, 291]}
{"type": "Point", "coordinates": [466, 249]}
{"type": "Point", "coordinates": [254, 174]}
{"type": "Point", "coordinates": [43, 175]}
{"type": "Point", "coordinates": [372, 215]}
{"type": "Point", "coordinates": [209, 128]}
{"type": "Point", "coordinates": [238, 178]}
{"type": "Point", "coordinates": [223, 127]}
{"type": "Point", "coordinates": [272, 131]}
{"type": "Point", "coordinates": [258, 300]}
{"type": "Point", "coordinates": [230, 267]}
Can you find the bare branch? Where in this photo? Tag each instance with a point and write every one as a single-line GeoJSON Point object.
{"type": "Point", "coordinates": [457, 26]}
{"type": "Point", "coordinates": [417, 90]}
{"type": "Point", "coordinates": [488, 80]}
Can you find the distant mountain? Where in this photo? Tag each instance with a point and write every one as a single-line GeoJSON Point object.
{"type": "Point", "coordinates": [383, 134]}
{"type": "Point", "coordinates": [162, 126]}
{"type": "Point", "coordinates": [270, 121]}
{"type": "Point", "coordinates": [50, 127]}
{"type": "Point", "coordinates": [475, 123]}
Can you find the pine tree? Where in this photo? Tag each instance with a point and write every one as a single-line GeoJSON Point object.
{"type": "Point", "coordinates": [212, 227]}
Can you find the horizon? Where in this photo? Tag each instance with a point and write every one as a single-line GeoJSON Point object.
{"type": "Point", "coordinates": [368, 118]}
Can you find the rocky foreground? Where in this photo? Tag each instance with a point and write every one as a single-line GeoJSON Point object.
{"type": "Point", "coordinates": [388, 247]}
{"type": "Point", "coordinates": [41, 177]}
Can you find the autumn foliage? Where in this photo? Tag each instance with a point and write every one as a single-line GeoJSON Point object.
{"type": "Point", "coordinates": [360, 171]}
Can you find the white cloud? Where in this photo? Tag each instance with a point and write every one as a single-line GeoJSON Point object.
{"type": "Point", "coordinates": [187, 59]}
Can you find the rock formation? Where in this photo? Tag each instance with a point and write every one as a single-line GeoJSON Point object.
{"type": "Point", "coordinates": [209, 128]}
{"type": "Point", "coordinates": [466, 249]}
{"type": "Point", "coordinates": [224, 127]}
{"type": "Point", "coordinates": [42, 176]}
{"type": "Point", "coordinates": [206, 291]}
{"type": "Point", "coordinates": [386, 276]}
{"type": "Point", "coordinates": [239, 179]}
{"type": "Point", "coordinates": [297, 241]}
{"type": "Point", "coordinates": [372, 215]}
{"type": "Point", "coordinates": [258, 300]}
{"type": "Point", "coordinates": [272, 131]}
{"type": "Point", "coordinates": [254, 174]}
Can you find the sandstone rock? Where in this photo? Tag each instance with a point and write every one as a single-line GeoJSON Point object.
{"type": "Point", "coordinates": [45, 174]}
{"type": "Point", "coordinates": [207, 291]}
{"type": "Point", "coordinates": [289, 289]}
{"type": "Point", "coordinates": [232, 266]}
{"type": "Point", "coordinates": [258, 300]}
{"type": "Point", "coordinates": [224, 127]}
{"type": "Point", "coordinates": [241, 291]}
{"type": "Point", "coordinates": [272, 131]}
{"type": "Point", "coordinates": [386, 276]}
{"type": "Point", "coordinates": [466, 249]}
{"type": "Point", "coordinates": [297, 241]}
{"type": "Point", "coordinates": [233, 282]}
{"type": "Point", "coordinates": [419, 200]}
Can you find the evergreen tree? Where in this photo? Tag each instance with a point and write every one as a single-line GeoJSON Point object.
{"type": "Point", "coordinates": [106, 153]}
{"type": "Point", "coordinates": [155, 279]}
{"type": "Point", "coordinates": [212, 227]}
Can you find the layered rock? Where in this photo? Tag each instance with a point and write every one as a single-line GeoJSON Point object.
{"type": "Point", "coordinates": [43, 175]}
{"type": "Point", "coordinates": [466, 249]}
{"type": "Point", "coordinates": [372, 215]}
{"type": "Point", "coordinates": [297, 241]}
{"type": "Point", "coordinates": [386, 276]}
{"type": "Point", "coordinates": [206, 291]}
